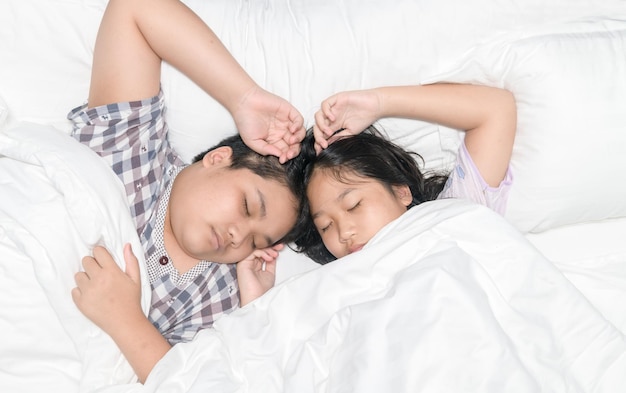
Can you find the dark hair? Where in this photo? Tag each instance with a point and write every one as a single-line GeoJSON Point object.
{"type": "Point", "coordinates": [370, 155]}
{"type": "Point", "coordinates": [289, 174]}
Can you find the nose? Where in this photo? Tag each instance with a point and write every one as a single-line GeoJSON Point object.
{"type": "Point", "coordinates": [346, 231]}
{"type": "Point", "coordinates": [238, 233]}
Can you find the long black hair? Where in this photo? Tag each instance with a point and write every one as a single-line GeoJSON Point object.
{"type": "Point", "coordinates": [370, 155]}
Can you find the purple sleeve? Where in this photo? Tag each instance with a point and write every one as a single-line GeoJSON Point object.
{"type": "Point", "coordinates": [466, 182]}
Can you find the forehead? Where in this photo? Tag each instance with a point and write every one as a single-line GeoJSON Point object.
{"type": "Point", "coordinates": [325, 188]}
{"type": "Point", "coordinates": [271, 190]}
{"type": "Point", "coordinates": [330, 179]}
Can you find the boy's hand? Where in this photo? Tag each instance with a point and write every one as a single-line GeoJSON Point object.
{"type": "Point", "coordinates": [269, 124]}
{"type": "Point", "coordinates": [257, 273]}
{"type": "Point", "coordinates": [348, 111]}
{"type": "Point", "coordinates": [104, 293]}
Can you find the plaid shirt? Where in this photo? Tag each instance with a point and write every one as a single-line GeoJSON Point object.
{"type": "Point", "coordinates": [132, 138]}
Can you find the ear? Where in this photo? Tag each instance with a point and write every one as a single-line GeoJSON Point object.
{"type": "Point", "coordinates": [403, 194]}
{"type": "Point", "coordinates": [218, 156]}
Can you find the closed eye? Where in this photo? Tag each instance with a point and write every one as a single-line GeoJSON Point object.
{"type": "Point", "coordinates": [355, 206]}
{"type": "Point", "coordinates": [324, 229]}
{"type": "Point", "coordinates": [246, 209]}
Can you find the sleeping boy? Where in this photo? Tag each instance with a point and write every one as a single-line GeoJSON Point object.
{"type": "Point", "coordinates": [195, 221]}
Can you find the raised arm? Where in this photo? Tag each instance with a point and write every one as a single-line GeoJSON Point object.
{"type": "Point", "coordinates": [136, 35]}
{"type": "Point", "coordinates": [488, 116]}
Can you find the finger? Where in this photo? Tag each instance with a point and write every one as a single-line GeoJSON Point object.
{"type": "Point", "coordinates": [293, 152]}
{"type": "Point", "coordinates": [270, 254]}
{"type": "Point", "coordinates": [278, 148]}
{"type": "Point", "coordinates": [90, 266]}
{"type": "Point", "coordinates": [265, 254]}
{"type": "Point", "coordinates": [132, 265]}
{"type": "Point", "coordinates": [297, 121]}
{"type": "Point", "coordinates": [320, 137]}
{"type": "Point", "coordinates": [335, 138]}
{"type": "Point", "coordinates": [102, 256]}
{"type": "Point", "coordinates": [81, 279]}
{"type": "Point", "coordinates": [265, 149]}
{"type": "Point", "coordinates": [297, 136]}
{"type": "Point", "coordinates": [322, 124]}
{"type": "Point", "coordinates": [256, 254]}
{"type": "Point", "coordinates": [339, 134]}
{"type": "Point", "coordinates": [321, 143]}
{"type": "Point", "coordinates": [318, 148]}
{"type": "Point", "coordinates": [270, 266]}
{"type": "Point", "coordinates": [76, 295]}
{"type": "Point", "coordinates": [327, 107]}
{"type": "Point", "coordinates": [278, 246]}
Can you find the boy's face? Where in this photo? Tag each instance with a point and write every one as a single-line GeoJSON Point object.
{"type": "Point", "coordinates": [348, 213]}
{"type": "Point", "coordinates": [221, 214]}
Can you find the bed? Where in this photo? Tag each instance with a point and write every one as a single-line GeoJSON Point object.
{"type": "Point", "coordinates": [450, 297]}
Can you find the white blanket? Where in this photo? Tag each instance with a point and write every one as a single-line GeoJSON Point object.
{"type": "Point", "coordinates": [57, 200]}
{"type": "Point", "coordinates": [449, 298]}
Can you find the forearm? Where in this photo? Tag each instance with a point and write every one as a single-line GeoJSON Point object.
{"type": "Point", "coordinates": [135, 36]}
{"type": "Point", "coordinates": [460, 106]}
{"type": "Point", "coordinates": [141, 343]}
{"type": "Point", "coordinates": [181, 38]}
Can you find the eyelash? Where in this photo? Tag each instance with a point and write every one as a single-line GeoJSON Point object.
{"type": "Point", "coordinates": [349, 210]}
{"type": "Point", "coordinates": [355, 206]}
{"type": "Point", "coordinates": [246, 210]}
{"type": "Point", "coordinates": [245, 207]}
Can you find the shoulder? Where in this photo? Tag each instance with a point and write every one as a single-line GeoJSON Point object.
{"type": "Point", "coordinates": [466, 182]}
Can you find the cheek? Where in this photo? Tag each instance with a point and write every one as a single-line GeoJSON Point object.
{"type": "Point", "coordinates": [332, 244]}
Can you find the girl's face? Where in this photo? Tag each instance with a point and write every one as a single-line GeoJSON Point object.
{"type": "Point", "coordinates": [348, 213]}
{"type": "Point", "coordinates": [222, 214]}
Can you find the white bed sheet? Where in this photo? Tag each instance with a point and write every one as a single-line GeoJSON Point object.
{"type": "Point", "coordinates": [593, 257]}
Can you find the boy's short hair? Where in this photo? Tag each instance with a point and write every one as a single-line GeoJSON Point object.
{"type": "Point", "coordinates": [289, 174]}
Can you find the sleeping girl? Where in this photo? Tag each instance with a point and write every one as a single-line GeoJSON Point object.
{"type": "Point", "coordinates": [358, 181]}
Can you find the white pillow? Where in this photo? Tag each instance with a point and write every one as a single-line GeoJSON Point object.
{"type": "Point", "coordinates": [46, 52]}
{"type": "Point", "coordinates": [4, 112]}
{"type": "Point", "coordinates": [307, 50]}
{"type": "Point", "coordinates": [300, 49]}
{"type": "Point", "coordinates": [570, 149]}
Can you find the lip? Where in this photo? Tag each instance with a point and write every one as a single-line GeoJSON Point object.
{"type": "Point", "coordinates": [217, 240]}
{"type": "Point", "coordinates": [355, 248]}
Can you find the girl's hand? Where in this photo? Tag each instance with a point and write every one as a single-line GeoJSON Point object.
{"type": "Point", "coordinates": [104, 293]}
{"type": "Point", "coordinates": [348, 112]}
{"type": "Point", "coordinates": [257, 273]}
{"type": "Point", "coordinates": [269, 124]}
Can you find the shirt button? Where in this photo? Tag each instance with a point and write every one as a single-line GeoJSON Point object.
{"type": "Point", "coordinates": [164, 260]}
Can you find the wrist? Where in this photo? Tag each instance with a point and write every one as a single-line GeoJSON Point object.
{"type": "Point", "coordinates": [381, 98]}
{"type": "Point", "coordinates": [141, 343]}
{"type": "Point", "coordinates": [121, 325]}
{"type": "Point", "coordinates": [242, 96]}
